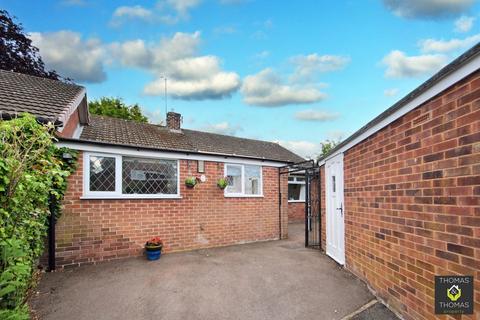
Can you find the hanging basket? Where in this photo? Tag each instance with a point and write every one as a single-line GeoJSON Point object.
{"type": "Point", "coordinates": [222, 183]}
{"type": "Point", "coordinates": [191, 182]}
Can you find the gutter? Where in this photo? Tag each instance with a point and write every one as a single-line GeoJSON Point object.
{"type": "Point", "coordinates": [42, 120]}
{"type": "Point", "coordinates": [188, 152]}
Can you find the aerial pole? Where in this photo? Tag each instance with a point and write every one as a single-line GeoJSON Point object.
{"type": "Point", "coordinates": [165, 97]}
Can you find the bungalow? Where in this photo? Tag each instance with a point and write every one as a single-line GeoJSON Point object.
{"type": "Point", "coordinates": [401, 196]}
{"type": "Point", "coordinates": [129, 185]}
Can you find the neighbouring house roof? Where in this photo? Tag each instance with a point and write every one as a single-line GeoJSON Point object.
{"type": "Point", "coordinates": [442, 80]}
{"type": "Point", "coordinates": [113, 131]}
{"type": "Point", "coordinates": [46, 99]}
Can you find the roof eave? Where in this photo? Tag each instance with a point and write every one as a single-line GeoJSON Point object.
{"type": "Point", "coordinates": [83, 141]}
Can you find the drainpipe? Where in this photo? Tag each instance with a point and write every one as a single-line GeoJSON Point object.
{"type": "Point", "coordinates": [307, 203]}
{"type": "Point", "coordinates": [320, 206]}
{"type": "Point", "coordinates": [279, 207]}
{"type": "Point", "coordinates": [51, 234]}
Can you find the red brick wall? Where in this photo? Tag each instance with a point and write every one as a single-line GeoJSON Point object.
{"type": "Point", "coordinates": [323, 208]}
{"type": "Point", "coordinates": [97, 230]}
{"type": "Point", "coordinates": [284, 201]}
{"type": "Point", "coordinates": [412, 201]}
{"type": "Point", "coordinates": [70, 126]}
{"type": "Point", "coordinates": [296, 212]}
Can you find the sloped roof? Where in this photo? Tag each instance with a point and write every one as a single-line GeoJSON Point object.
{"type": "Point", "coordinates": [134, 134]}
{"type": "Point", "coordinates": [44, 98]}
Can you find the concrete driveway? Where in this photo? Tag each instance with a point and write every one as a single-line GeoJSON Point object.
{"type": "Point", "coordinates": [268, 280]}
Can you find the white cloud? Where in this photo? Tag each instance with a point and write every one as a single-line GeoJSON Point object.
{"type": "Point", "coordinates": [259, 35]}
{"type": "Point", "coordinates": [267, 89]}
{"type": "Point", "coordinates": [72, 57]}
{"type": "Point", "coordinates": [155, 117]}
{"type": "Point", "coordinates": [390, 92]}
{"type": "Point", "coordinates": [430, 9]}
{"type": "Point", "coordinates": [464, 24]}
{"type": "Point", "coordinates": [225, 30]}
{"type": "Point", "coordinates": [262, 54]}
{"type": "Point", "coordinates": [181, 7]}
{"type": "Point", "coordinates": [217, 86]}
{"type": "Point", "coordinates": [222, 128]}
{"type": "Point", "coordinates": [74, 3]}
{"type": "Point", "coordinates": [400, 65]}
{"type": "Point", "coordinates": [337, 135]}
{"type": "Point", "coordinates": [230, 2]}
{"type": "Point", "coordinates": [309, 65]}
{"type": "Point", "coordinates": [189, 76]}
{"type": "Point", "coordinates": [130, 13]}
{"type": "Point", "coordinates": [165, 11]}
{"type": "Point", "coordinates": [432, 45]}
{"type": "Point", "coordinates": [306, 149]}
{"type": "Point", "coordinates": [316, 115]}
{"type": "Point", "coordinates": [133, 12]}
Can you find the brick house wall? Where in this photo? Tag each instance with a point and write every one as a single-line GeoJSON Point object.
{"type": "Point", "coordinates": [412, 202]}
{"type": "Point", "coordinates": [296, 212]}
{"type": "Point", "coordinates": [91, 231]}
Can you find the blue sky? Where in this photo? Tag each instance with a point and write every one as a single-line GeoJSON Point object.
{"type": "Point", "coordinates": [297, 72]}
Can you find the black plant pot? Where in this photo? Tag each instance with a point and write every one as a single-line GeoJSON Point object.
{"type": "Point", "coordinates": [153, 248]}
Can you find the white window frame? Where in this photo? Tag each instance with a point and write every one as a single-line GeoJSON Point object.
{"type": "Point", "coordinates": [295, 181]}
{"type": "Point", "coordinates": [117, 194]}
{"type": "Point", "coordinates": [243, 194]}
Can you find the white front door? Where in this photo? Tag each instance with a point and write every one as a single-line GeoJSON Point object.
{"type": "Point", "coordinates": [335, 223]}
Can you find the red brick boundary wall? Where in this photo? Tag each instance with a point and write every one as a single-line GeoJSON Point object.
{"type": "Point", "coordinates": [412, 202]}
{"type": "Point", "coordinates": [91, 231]}
{"type": "Point", "coordinates": [296, 212]}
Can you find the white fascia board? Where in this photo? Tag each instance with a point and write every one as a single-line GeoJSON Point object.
{"type": "Point", "coordinates": [118, 150]}
{"type": "Point", "coordinates": [439, 87]}
{"type": "Point", "coordinates": [72, 106]}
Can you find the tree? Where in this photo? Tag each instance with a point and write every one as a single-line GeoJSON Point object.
{"type": "Point", "coordinates": [17, 52]}
{"type": "Point", "coordinates": [116, 108]}
{"type": "Point", "coordinates": [327, 146]}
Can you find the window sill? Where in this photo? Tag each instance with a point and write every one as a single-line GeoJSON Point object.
{"type": "Point", "coordinates": [130, 197]}
{"type": "Point", "coordinates": [296, 201]}
{"type": "Point", "coordinates": [243, 196]}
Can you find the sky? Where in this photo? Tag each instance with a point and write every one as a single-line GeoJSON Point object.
{"type": "Point", "coordinates": [293, 72]}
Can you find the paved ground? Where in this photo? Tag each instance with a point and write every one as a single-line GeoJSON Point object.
{"type": "Point", "coordinates": [269, 280]}
{"type": "Point", "coordinates": [376, 312]}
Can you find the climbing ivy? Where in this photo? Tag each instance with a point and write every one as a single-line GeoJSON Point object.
{"type": "Point", "coordinates": [33, 172]}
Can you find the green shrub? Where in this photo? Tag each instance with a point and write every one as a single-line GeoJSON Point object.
{"type": "Point", "coordinates": [32, 172]}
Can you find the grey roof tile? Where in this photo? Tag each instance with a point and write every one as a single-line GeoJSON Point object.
{"type": "Point", "coordinates": [130, 133]}
{"type": "Point", "coordinates": [41, 97]}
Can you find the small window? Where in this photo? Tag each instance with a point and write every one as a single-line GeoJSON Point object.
{"type": "Point", "coordinates": [252, 180]}
{"type": "Point", "coordinates": [102, 174]}
{"type": "Point", "coordinates": [296, 188]}
{"type": "Point", "coordinates": [234, 179]}
{"type": "Point", "coordinates": [334, 187]}
{"type": "Point", "coordinates": [243, 180]}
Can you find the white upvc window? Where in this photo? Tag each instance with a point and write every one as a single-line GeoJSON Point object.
{"type": "Point", "coordinates": [243, 180]}
{"type": "Point", "coordinates": [112, 176]}
{"type": "Point", "coordinates": [296, 189]}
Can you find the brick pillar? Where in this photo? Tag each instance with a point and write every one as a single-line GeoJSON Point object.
{"type": "Point", "coordinates": [284, 204]}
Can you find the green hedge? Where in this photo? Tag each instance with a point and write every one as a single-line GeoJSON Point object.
{"type": "Point", "coordinates": [31, 172]}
